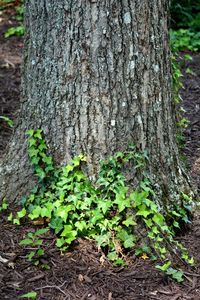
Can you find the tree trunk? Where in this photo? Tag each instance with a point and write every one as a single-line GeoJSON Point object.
{"type": "Point", "coordinates": [97, 77]}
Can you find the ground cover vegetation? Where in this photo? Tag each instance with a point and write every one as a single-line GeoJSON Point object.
{"type": "Point", "coordinates": [185, 25]}
{"type": "Point", "coordinates": [107, 210]}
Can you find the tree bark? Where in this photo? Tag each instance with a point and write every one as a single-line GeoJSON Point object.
{"type": "Point", "coordinates": [96, 77]}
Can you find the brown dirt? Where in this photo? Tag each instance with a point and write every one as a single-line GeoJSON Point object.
{"type": "Point", "coordinates": [83, 272]}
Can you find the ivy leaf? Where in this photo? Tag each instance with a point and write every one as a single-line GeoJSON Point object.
{"type": "Point", "coordinates": [41, 231]}
{"type": "Point", "coordinates": [122, 202]}
{"type": "Point", "coordinates": [31, 295]}
{"type": "Point", "coordinates": [138, 197]}
{"type": "Point", "coordinates": [158, 219]}
{"type": "Point", "coordinates": [38, 134]}
{"type": "Point", "coordinates": [46, 211]}
{"type": "Point", "coordinates": [103, 240]}
{"type": "Point", "coordinates": [143, 211]}
{"type": "Point", "coordinates": [30, 255]}
{"type": "Point", "coordinates": [129, 221]}
{"type": "Point", "coordinates": [80, 225]}
{"type": "Point", "coordinates": [10, 217]}
{"type": "Point", "coordinates": [4, 205]}
{"type": "Point", "coordinates": [113, 256]}
{"type": "Point", "coordinates": [60, 242]}
{"type": "Point", "coordinates": [62, 212]}
{"type": "Point", "coordinates": [177, 275]}
{"type": "Point", "coordinates": [69, 234]}
{"type": "Point", "coordinates": [148, 222]}
{"type": "Point", "coordinates": [40, 252]}
{"type": "Point", "coordinates": [105, 205]}
{"type": "Point", "coordinates": [155, 230]}
{"type": "Point", "coordinates": [16, 222]}
{"type": "Point", "coordinates": [79, 175]}
{"type": "Point", "coordinates": [67, 169]}
{"type": "Point", "coordinates": [36, 212]}
{"type": "Point", "coordinates": [32, 142]}
{"type": "Point", "coordinates": [56, 224]}
{"type": "Point", "coordinates": [40, 173]}
{"type": "Point", "coordinates": [26, 242]}
{"type": "Point", "coordinates": [97, 215]}
{"type": "Point", "coordinates": [42, 146]}
{"type": "Point", "coordinates": [47, 160]}
{"type": "Point", "coordinates": [30, 132]}
{"type": "Point", "coordinates": [123, 235]}
{"type": "Point", "coordinates": [33, 152]}
{"type": "Point", "coordinates": [35, 160]}
{"type": "Point", "coordinates": [164, 267]}
{"type": "Point", "coordinates": [21, 213]}
{"type": "Point", "coordinates": [129, 243]}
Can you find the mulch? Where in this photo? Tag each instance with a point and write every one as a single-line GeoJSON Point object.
{"type": "Point", "coordinates": [83, 272]}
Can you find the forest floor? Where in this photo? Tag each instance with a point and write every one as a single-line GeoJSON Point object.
{"type": "Point", "coordinates": [83, 272]}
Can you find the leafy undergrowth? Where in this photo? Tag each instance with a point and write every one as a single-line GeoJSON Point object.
{"type": "Point", "coordinates": [107, 210]}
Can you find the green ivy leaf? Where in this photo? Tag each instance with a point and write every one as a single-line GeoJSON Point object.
{"type": "Point", "coordinates": [60, 242]}
{"type": "Point", "coordinates": [129, 221]}
{"type": "Point", "coordinates": [177, 275]}
{"type": "Point", "coordinates": [143, 211]}
{"type": "Point", "coordinates": [33, 152]}
{"type": "Point", "coordinates": [40, 252]}
{"type": "Point", "coordinates": [103, 239]}
{"type": "Point", "coordinates": [31, 295]}
{"type": "Point", "coordinates": [104, 205]}
{"type": "Point", "coordinates": [148, 222]}
{"type": "Point", "coordinates": [130, 242]}
{"type": "Point", "coordinates": [69, 234]}
{"type": "Point", "coordinates": [56, 224]}
{"type": "Point", "coordinates": [32, 142]}
{"type": "Point", "coordinates": [41, 231]}
{"type": "Point", "coordinates": [26, 242]}
{"type": "Point", "coordinates": [30, 132]}
{"type": "Point", "coordinates": [47, 160]}
{"type": "Point", "coordinates": [97, 215]}
{"type": "Point", "coordinates": [16, 221]}
{"type": "Point", "coordinates": [164, 267]}
{"type": "Point", "coordinates": [158, 219]}
{"type": "Point", "coordinates": [81, 225]}
{"type": "Point", "coordinates": [10, 217]}
{"type": "Point", "coordinates": [63, 211]}
{"type": "Point", "coordinates": [138, 198]}
{"type": "Point", "coordinates": [31, 255]}
{"type": "Point", "coordinates": [122, 202]}
{"type": "Point", "coordinates": [38, 134]}
{"type": "Point", "coordinates": [36, 213]}
{"type": "Point", "coordinates": [21, 213]}
{"type": "Point", "coordinates": [42, 146]}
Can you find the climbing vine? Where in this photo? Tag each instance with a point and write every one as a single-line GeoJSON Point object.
{"type": "Point", "coordinates": [107, 210]}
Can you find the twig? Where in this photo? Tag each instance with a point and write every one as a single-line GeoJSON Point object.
{"type": "Point", "coordinates": [54, 287]}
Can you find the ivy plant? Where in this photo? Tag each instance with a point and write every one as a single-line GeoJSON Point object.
{"type": "Point", "coordinates": [107, 210]}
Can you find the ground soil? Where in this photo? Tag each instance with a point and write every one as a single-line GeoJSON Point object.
{"type": "Point", "coordinates": [83, 272]}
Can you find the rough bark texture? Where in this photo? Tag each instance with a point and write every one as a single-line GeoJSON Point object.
{"type": "Point", "coordinates": [96, 77]}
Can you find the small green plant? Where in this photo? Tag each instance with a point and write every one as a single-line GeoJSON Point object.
{"type": "Point", "coordinates": [175, 274]}
{"type": "Point", "coordinates": [185, 39]}
{"type": "Point", "coordinates": [29, 295]}
{"type": "Point", "coordinates": [107, 210]}
{"type": "Point", "coordinates": [4, 205]}
{"type": "Point", "coordinates": [7, 120]}
{"type": "Point", "coordinates": [19, 16]}
{"type": "Point", "coordinates": [33, 239]}
{"type": "Point", "coordinates": [20, 13]}
{"type": "Point", "coordinates": [18, 31]}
